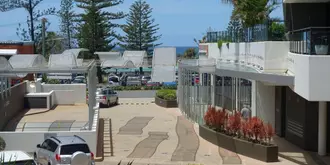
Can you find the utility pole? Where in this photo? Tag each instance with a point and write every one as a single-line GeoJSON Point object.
{"type": "Point", "coordinates": [43, 21]}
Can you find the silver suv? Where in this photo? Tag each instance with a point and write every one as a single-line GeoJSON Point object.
{"type": "Point", "coordinates": [62, 150]}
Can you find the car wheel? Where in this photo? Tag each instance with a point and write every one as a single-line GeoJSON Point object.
{"type": "Point", "coordinates": [108, 104]}
{"type": "Point", "coordinates": [117, 103]}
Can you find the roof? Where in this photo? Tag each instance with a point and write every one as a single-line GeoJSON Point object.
{"type": "Point", "coordinates": [62, 60]}
{"type": "Point", "coordinates": [137, 57]}
{"type": "Point", "coordinates": [19, 65]}
{"type": "Point", "coordinates": [16, 42]}
{"type": "Point", "coordinates": [75, 52]}
{"type": "Point", "coordinates": [8, 51]}
{"type": "Point", "coordinates": [119, 63]}
{"type": "Point", "coordinates": [11, 156]}
{"type": "Point", "coordinates": [27, 61]}
{"type": "Point", "coordinates": [108, 55]}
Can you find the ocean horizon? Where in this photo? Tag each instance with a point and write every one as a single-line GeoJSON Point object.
{"type": "Point", "coordinates": [179, 49]}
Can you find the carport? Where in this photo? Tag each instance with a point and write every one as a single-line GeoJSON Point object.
{"type": "Point", "coordinates": [20, 65]}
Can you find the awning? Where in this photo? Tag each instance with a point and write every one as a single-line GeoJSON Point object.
{"type": "Point", "coordinates": [246, 72]}
{"type": "Point", "coordinates": [236, 70]}
{"type": "Point", "coordinates": [8, 52]}
{"type": "Point", "coordinates": [120, 63]}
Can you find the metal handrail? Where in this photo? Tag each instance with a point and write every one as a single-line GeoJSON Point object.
{"type": "Point", "coordinates": [308, 28]}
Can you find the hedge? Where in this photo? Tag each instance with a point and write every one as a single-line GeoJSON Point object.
{"type": "Point", "coordinates": [166, 94]}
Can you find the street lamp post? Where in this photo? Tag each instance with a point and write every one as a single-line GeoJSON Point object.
{"type": "Point", "coordinates": [43, 21]}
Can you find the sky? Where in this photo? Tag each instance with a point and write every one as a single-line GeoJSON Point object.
{"type": "Point", "coordinates": [180, 21]}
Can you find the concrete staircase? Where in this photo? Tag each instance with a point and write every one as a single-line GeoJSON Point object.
{"type": "Point", "coordinates": [107, 139]}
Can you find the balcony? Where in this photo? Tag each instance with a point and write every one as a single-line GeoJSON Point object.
{"type": "Point", "coordinates": [309, 59]}
{"type": "Point", "coordinates": [310, 41]}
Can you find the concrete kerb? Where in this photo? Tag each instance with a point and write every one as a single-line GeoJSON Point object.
{"type": "Point", "coordinates": [39, 112]}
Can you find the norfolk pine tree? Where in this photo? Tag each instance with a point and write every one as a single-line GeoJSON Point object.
{"type": "Point", "coordinates": [140, 29]}
{"type": "Point", "coordinates": [67, 17]}
{"type": "Point", "coordinates": [95, 29]}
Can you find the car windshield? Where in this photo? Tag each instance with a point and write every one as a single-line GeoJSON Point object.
{"type": "Point", "coordinates": [25, 162]}
{"type": "Point", "coordinates": [99, 91]}
{"type": "Point", "coordinates": [72, 148]}
{"type": "Point", "coordinates": [78, 81]}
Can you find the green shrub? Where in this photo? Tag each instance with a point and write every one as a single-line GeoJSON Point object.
{"type": "Point", "coordinates": [220, 44]}
{"type": "Point", "coordinates": [170, 96]}
{"type": "Point", "coordinates": [53, 81]}
{"type": "Point", "coordinates": [2, 144]}
{"type": "Point", "coordinates": [166, 94]}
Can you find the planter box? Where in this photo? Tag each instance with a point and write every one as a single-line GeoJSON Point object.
{"type": "Point", "coordinates": [166, 103]}
{"type": "Point", "coordinates": [239, 146]}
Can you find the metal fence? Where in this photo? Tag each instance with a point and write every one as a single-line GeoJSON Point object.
{"type": "Point", "coordinates": [252, 34]}
{"type": "Point", "coordinates": [196, 92]}
{"type": "Point", "coordinates": [311, 41]}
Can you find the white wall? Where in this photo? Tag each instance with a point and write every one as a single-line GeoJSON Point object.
{"type": "Point", "coordinates": [27, 141]}
{"type": "Point", "coordinates": [312, 76]}
{"type": "Point", "coordinates": [78, 95]}
{"type": "Point", "coordinates": [269, 56]}
{"type": "Point", "coordinates": [265, 102]}
{"type": "Point", "coordinates": [64, 97]}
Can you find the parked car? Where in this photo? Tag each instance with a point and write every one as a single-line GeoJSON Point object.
{"type": "Point", "coordinates": [64, 150]}
{"type": "Point", "coordinates": [78, 81]}
{"type": "Point", "coordinates": [145, 79]}
{"type": "Point", "coordinates": [133, 81]}
{"type": "Point", "coordinates": [106, 96]}
{"type": "Point", "coordinates": [152, 84]}
{"type": "Point", "coordinates": [169, 83]}
{"type": "Point", "coordinates": [16, 158]}
{"type": "Point", "coordinates": [114, 80]}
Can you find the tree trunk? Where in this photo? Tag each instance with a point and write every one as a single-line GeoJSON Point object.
{"type": "Point", "coordinates": [32, 25]}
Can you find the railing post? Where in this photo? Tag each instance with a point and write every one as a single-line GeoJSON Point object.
{"type": "Point", "coordinates": [311, 42]}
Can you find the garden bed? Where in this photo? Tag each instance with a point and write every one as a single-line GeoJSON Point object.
{"type": "Point", "coordinates": [240, 146]}
{"type": "Point", "coordinates": [166, 103]}
{"type": "Point", "coordinates": [166, 98]}
{"type": "Point", "coordinates": [251, 137]}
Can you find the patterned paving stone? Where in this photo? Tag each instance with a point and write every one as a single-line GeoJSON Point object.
{"type": "Point", "coordinates": [135, 126]}
{"type": "Point", "coordinates": [229, 157]}
{"type": "Point", "coordinates": [147, 147]}
{"type": "Point", "coordinates": [188, 141]}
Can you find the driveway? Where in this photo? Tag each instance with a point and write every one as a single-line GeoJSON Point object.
{"type": "Point", "coordinates": [149, 134]}
{"type": "Point", "coordinates": [137, 94]}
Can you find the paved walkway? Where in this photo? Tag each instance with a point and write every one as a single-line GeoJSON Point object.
{"type": "Point", "coordinates": [153, 135]}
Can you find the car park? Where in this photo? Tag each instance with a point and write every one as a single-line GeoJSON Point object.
{"type": "Point", "coordinates": [16, 158]}
{"type": "Point", "coordinates": [61, 150]}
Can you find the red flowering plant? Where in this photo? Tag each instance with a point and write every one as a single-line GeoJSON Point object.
{"type": "Point", "coordinates": [257, 129]}
{"type": "Point", "coordinates": [220, 120]}
{"type": "Point", "coordinates": [209, 117]}
{"type": "Point", "coordinates": [245, 129]}
{"type": "Point", "coordinates": [253, 129]}
{"type": "Point", "coordinates": [269, 132]}
{"type": "Point", "coordinates": [234, 123]}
